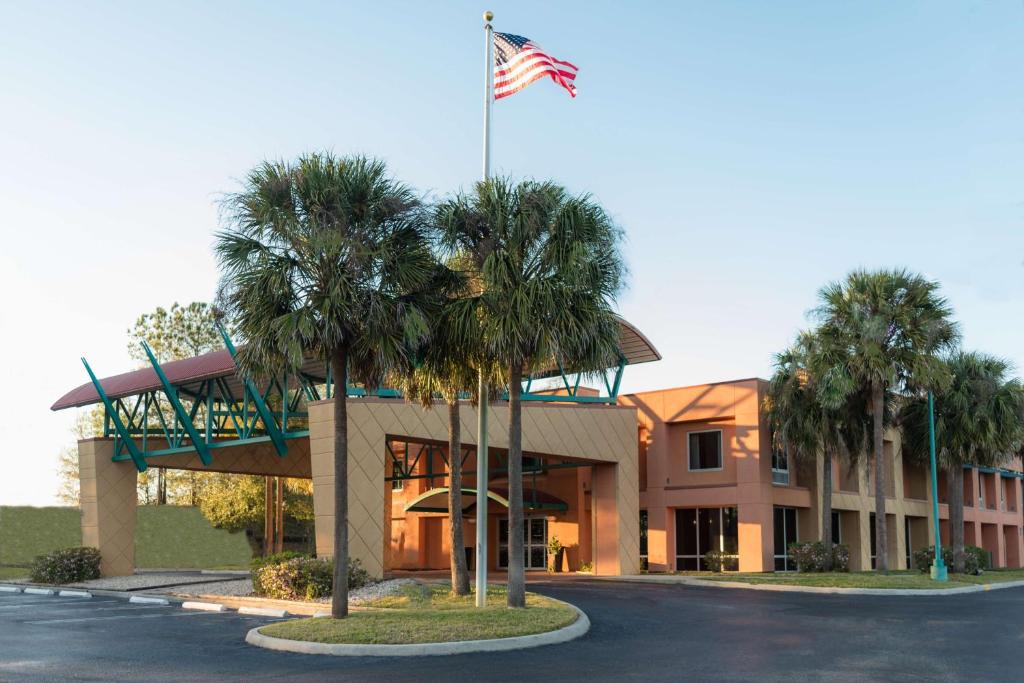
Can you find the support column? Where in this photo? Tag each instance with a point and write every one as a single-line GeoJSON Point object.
{"type": "Point", "coordinates": [365, 484]}
{"type": "Point", "coordinates": [616, 508]}
{"type": "Point", "coordinates": [109, 499]}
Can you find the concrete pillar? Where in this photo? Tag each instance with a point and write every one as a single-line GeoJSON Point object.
{"type": "Point", "coordinates": [616, 520]}
{"type": "Point", "coordinates": [365, 486]}
{"type": "Point", "coordinates": [109, 500]}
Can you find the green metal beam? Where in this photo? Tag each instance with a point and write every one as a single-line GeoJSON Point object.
{"type": "Point", "coordinates": [133, 450]}
{"type": "Point", "coordinates": [183, 416]}
{"type": "Point", "coordinates": [257, 399]}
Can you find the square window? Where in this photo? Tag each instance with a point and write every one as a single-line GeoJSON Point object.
{"type": "Point", "coordinates": [705, 450]}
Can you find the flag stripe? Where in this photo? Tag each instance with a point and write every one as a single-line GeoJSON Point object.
{"type": "Point", "coordinates": [525, 82]}
{"type": "Point", "coordinates": [525, 65]}
{"type": "Point", "coordinates": [531, 53]}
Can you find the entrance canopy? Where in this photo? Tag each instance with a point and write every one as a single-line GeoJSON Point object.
{"type": "Point", "coordinates": [436, 500]}
{"type": "Point", "coordinates": [204, 403]}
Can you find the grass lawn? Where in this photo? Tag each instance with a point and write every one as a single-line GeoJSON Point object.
{"type": "Point", "coordinates": [894, 579]}
{"type": "Point", "coordinates": [13, 573]}
{"type": "Point", "coordinates": [431, 614]}
{"type": "Point", "coordinates": [168, 536]}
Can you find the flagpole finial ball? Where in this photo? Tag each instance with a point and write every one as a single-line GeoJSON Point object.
{"type": "Point", "coordinates": [488, 15]}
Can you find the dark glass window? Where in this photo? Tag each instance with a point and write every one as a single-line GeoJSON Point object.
{"type": "Point", "coordinates": [780, 467]}
{"type": "Point", "coordinates": [785, 533]}
{"type": "Point", "coordinates": [705, 450]}
{"type": "Point", "coordinates": [837, 531]}
{"type": "Point", "coordinates": [701, 530]}
{"type": "Point", "coordinates": [874, 550]}
{"type": "Point", "coordinates": [643, 539]}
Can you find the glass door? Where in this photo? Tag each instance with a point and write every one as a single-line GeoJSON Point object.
{"type": "Point", "coordinates": [535, 543]}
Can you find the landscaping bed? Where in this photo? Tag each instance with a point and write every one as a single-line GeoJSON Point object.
{"type": "Point", "coordinates": [421, 613]}
{"type": "Point", "coordinates": [894, 579]}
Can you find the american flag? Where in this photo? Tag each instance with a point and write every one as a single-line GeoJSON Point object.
{"type": "Point", "coordinates": [518, 62]}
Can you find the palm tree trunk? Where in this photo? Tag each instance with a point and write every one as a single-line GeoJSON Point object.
{"type": "Point", "coordinates": [956, 518]}
{"type": "Point", "coordinates": [826, 509]}
{"type": "Point", "coordinates": [460, 573]}
{"type": "Point", "coordinates": [878, 415]}
{"type": "Point", "coordinates": [516, 571]}
{"type": "Point", "coordinates": [339, 597]}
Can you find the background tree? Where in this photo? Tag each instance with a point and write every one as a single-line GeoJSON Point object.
{"type": "Point", "coordinates": [811, 418]}
{"type": "Point", "coordinates": [237, 503]}
{"type": "Point", "coordinates": [549, 269]}
{"type": "Point", "coordinates": [889, 327]}
{"type": "Point", "coordinates": [979, 421]}
{"type": "Point", "coordinates": [173, 334]}
{"type": "Point", "coordinates": [327, 256]}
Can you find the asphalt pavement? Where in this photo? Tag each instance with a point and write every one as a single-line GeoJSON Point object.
{"type": "Point", "coordinates": [639, 632]}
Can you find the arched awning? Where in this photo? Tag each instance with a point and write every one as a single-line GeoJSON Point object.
{"type": "Point", "coordinates": [436, 500]}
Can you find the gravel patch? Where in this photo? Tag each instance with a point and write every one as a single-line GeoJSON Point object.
{"type": "Point", "coordinates": [141, 581]}
{"type": "Point", "coordinates": [238, 588]}
{"type": "Point", "coordinates": [377, 590]}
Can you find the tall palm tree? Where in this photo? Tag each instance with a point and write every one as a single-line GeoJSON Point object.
{"type": "Point", "coordinates": [890, 326]}
{"type": "Point", "coordinates": [327, 256]}
{"type": "Point", "coordinates": [549, 268]}
{"type": "Point", "coordinates": [979, 420]}
{"type": "Point", "coordinates": [813, 418]}
{"type": "Point", "coordinates": [448, 368]}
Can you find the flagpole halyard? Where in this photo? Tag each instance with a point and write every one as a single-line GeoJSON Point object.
{"type": "Point", "coordinates": [481, 425]}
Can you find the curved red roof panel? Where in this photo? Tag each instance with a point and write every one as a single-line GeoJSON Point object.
{"type": "Point", "coordinates": [197, 369]}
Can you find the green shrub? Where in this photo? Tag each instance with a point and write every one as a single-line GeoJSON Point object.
{"type": "Point", "coordinates": [810, 556]}
{"type": "Point", "coordinates": [69, 565]}
{"type": "Point", "coordinates": [975, 559]}
{"type": "Point", "coordinates": [292, 576]}
{"type": "Point", "coordinates": [717, 561]}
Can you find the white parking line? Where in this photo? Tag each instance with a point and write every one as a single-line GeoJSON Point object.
{"type": "Point", "coordinates": [164, 615]}
{"type": "Point", "coordinates": [57, 603]}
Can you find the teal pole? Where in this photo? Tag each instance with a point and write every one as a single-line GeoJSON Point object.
{"type": "Point", "coordinates": [939, 572]}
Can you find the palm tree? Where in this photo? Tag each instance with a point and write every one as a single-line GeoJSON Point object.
{"type": "Point", "coordinates": [979, 420]}
{"type": "Point", "coordinates": [327, 256]}
{"type": "Point", "coordinates": [448, 369]}
{"type": "Point", "coordinates": [812, 418]}
{"type": "Point", "coordinates": [549, 269]}
{"type": "Point", "coordinates": [889, 327]}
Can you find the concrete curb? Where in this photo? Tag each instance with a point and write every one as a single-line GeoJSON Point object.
{"type": "Point", "coordinates": [148, 600]}
{"type": "Point", "coordinates": [204, 606]}
{"type": "Point", "coordinates": [690, 581]}
{"type": "Point", "coordinates": [563, 635]}
{"type": "Point", "coordinates": [10, 589]}
{"type": "Point", "coordinates": [74, 594]}
{"type": "Point", "coordinates": [263, 612]}
{"type": "Point", "coordinates": [38, 591]}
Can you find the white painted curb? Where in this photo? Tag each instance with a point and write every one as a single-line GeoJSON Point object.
{"type": "Point", "coordinates": [9, 589]}
{"type": "Point", "coordinates": [143, 600]}
{"type": "Point", "coordinates": [75, 594]}
{"type": "Point", "coordinates": [39, 591]}
{"type": "Point", "coordinates": [563, 635]}
{"type": "Point", "coordinates": [263, 612]}
{"type": "Point", "coordinates": [321, 615]}
{"type": "Point", "coordinates": [204, 606]}
{"type": "Point", "coordinates": [691, 581]}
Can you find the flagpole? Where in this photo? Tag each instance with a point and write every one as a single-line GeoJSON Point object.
{"type": "Point", "coordinates": [481, 425]}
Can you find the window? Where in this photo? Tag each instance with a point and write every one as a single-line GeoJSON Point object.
{"type": "Point", "coordinates": [699, 530]}
{"type": "Point", "coordinates": [532, 464]}
{"type": "Point", "coordinates": [909, 543]}
{"type": "Point", "coordinates": [705, 450]}
{"type": "Point", "coordinates": [535, 543]}
{"type": "Point", "coordinates": [837, 529]}
{"type": "Point", "coordinates": [397, 484]}
{"type": "Point", "coordinates": [785, 533]}
{"type": "Point", "coordinates": [780, 467]}
{"type": "Point", "coordinates": [643, 540]}
{"type": "Point", "coordinates": [874, 542]}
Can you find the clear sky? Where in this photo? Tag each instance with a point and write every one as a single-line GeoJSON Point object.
{"type": "Point", "coordinates": [751, 151]}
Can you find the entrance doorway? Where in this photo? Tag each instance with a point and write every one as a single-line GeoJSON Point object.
{"type": "Point", "coordinates": [535, 543]}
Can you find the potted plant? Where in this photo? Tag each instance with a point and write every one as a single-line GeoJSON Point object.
{"type": "Point", "coordinates": [557, 552]}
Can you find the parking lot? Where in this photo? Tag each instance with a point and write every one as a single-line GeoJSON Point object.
{"type": "Point", "coordinates": [639, 632]}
